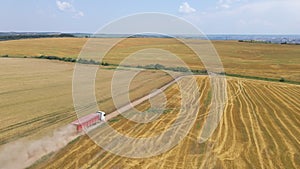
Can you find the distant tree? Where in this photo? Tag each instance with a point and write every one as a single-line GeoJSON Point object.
{"type": "Point", "coordinates": [104, 64]}
{"type": "Point", "coordinates": [282, 80]}
{"type": "Point", "coordinates": [159, 66]}
{"type": "Point", "coordinates": [65, 35]}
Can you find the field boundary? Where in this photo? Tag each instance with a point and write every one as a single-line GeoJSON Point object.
{"type": "Point", "coordinates": [281, 80]}
{"type": "Point", "coordinates": [153, 67]}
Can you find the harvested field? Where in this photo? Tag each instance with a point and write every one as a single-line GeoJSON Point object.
{"type": "Point", "coordinates": [259, 129]}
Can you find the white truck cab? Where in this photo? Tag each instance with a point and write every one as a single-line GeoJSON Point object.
{"type": "Point", "coordinates": [101, 115]}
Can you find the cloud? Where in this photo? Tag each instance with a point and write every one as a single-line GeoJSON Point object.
{"type": "Point", "coordinates": [80, 14]}
{"type": "Point", "coordinates": [226, 4]}
{"type": "Point", "coordinates": [186, 8]}
{"type": "Point", "coordinates": [68, 7]}
{"type": "Point", "coordinates": [64, 6]}
{"type": "Point", "coordinates": [271, 17]}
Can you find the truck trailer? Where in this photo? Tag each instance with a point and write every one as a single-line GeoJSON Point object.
{"type": "Point", "coordinates": [89, 120]}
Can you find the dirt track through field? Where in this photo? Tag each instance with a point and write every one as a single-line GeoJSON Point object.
{"type": "Point", "coordinates": [259, 129]}
{"type": "Point", "coordinates": [141, 100]}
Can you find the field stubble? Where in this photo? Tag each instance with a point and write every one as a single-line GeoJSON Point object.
{"type": "Point", "coordinates": [259, 129]}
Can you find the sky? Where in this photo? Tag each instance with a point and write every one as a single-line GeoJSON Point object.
{"type": "Point", "coordinates": [210, 16]}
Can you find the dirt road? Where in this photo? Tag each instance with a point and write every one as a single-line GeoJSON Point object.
{"type": "Point", "coordinates": [141, 100]}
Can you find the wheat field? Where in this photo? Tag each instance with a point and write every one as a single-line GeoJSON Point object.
{"type": "Point", "coordinates": [255, 59]}
{"type": "Point", "coordinates": [36, 95]}
{"type": "Point", "coordinates": [259, 129]}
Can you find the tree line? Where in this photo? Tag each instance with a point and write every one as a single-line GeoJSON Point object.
{"type": "Point", "coordinates": [16, 37]}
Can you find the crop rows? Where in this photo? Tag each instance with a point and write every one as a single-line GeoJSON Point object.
{"type": "Point", "coordinates": [259, 129]}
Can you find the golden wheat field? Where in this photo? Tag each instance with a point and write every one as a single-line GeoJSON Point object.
{"type": "Point", "coordinates": [259, 129]}
{"type": "Point", "coordinates": [255, 59]}
{"type": "Point", "coordinates": [36, 95]}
